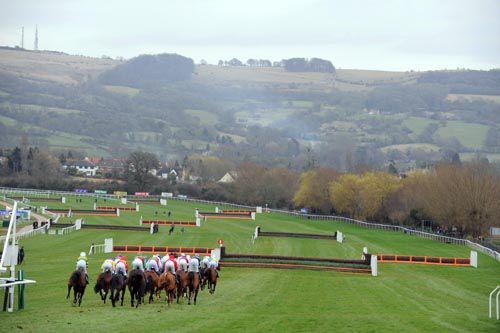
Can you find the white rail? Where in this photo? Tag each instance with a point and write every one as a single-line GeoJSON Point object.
{"type": "Point", "coordinates": [490, 307]}
{"type": "Point", "coordinates": [364, 224]}
{"type": "Point", "coordinates": [96, 248]}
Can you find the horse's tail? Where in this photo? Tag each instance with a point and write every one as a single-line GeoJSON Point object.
{"type": "Point", "coordinates": [98, 285]}
{"type": "Point", "coordinates": [149, 283]}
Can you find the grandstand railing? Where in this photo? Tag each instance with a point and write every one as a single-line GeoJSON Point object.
{"type": "Point", "coordinates": [364, 224]}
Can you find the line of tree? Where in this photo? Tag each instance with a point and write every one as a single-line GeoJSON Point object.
{"type": "Point", "coordinates": [308, 65]}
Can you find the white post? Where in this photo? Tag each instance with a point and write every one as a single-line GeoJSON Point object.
{"type": "Point", "coordinates": [217, 210]}
{"type": "Point", "coordinates": [253, 215]}
{"type": "Point", "coordinates": [78, 224]}
{"type": "Point", "coordinates": [63, 200]}
{"type": "Point", "coordinates": [489, 302]}
{"type": "Point", "coordinates": [163, 202]}
{"type": "Point", "coordinates": [136, 207]}
{"type": "Point", "coordinates": [198, 222]}
{"type": "Point", "coordinates": [118, 212]}
{"type": "Point", "coordinates": [340, 237]}
{"type": "Point", "coordinates": [373, 265]}
{"type": "Point", "coordinates": [95, 206]}
{"type": "Point", "coordinates": [151, 229]}
{"type": "Point", "coordinates": [123, 201]}
{"type": "Point", "coordinates": [197, 213]}
{"type": "Point", "coordinates": [43, 210]}
{"type": "Point", "coordinates": [140, 221]}
{"type": "Point", "coordinates": [108, 245]}
{"type": "Point", "coordinates": [258, 209]}
{"type": "Point", "coordinates": [215, 253]}
{"type": "Point", "coordinates": [256, 233]}
{"type": "Point", "coordinates": [473, 259]}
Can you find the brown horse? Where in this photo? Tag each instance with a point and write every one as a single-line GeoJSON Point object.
{"type": "Point", "coordinates": [136, 286]}
{"type": "Point", "coordinates": [194, 286]}
{"type": "Point", "coordinates": [211, 276]}
{"type": "Point", "coordinates": [152, 280]}
{"type": "Point", "coordinates": [102, 284]}
{"type": "Point", "coordinates": [118, 284]}
{"type": "Point", "coordinates": [167, 282]}
{"type": "Point", "coordinates": [78, 282]}
{"type": "Point", "coordinates": [182, 284]}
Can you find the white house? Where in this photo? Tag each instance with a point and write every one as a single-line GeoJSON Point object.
{"type": "Point", "coordinates": [83, 167]}
{"type": "Point", "coordinates": [229, 177]}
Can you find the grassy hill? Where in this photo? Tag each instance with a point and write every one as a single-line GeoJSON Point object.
{"type": "Point", "coordinates": [410, 298]}
{"type": "Point", "coordinates": [58, 100]}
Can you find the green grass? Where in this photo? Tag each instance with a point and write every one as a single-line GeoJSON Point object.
{"type": "Point", "coordinates": [205, 117]}
{"type": "Point", "coordinates": [469, 134]}
{"type": "Point", "coordinates": [470, 97]}
{"type": "Point", "coordinates": [8, 121]}
{"type": "Point", "coordinates": [417, 124]}
{"type": "Point", "coordinates": [40, 108]}
{"type": "Point", "coordinates": [409, 298]}
{"type": "Point", "coordinates": [128, 91]}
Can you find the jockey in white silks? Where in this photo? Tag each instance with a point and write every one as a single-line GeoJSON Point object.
{"type": "Point", "coordinates": [137, 264]}
{"type": "Point", "coordinates": [152, 265]}
{"type": "Point", "coordinates": [81, 265]}
{"type": "Point", "coordinates": [120, 268]}
{"type": "Point", "coordinates": [169, 266]}
{"type": "Point", "coordinates": [183, 263]}
{"type": "Point", "coordinates": [163, 260]}
{"type": "Point", "coordinates": [108, 265]}
{"type": "Point", "coordinates": [204, 262]}
{"type": "Point", "coordinates": [194, 264]}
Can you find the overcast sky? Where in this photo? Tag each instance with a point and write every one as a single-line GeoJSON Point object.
{"type": "Point", "coordinates": [381, 34]}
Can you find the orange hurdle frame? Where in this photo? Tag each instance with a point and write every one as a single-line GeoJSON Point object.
{"type": "Point", "coordinates": [426, 260]}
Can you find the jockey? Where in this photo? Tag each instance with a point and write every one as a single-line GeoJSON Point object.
{"type": "Point", "coordinates": [137, 264]}
{"type": "Point", "coordinates": [194, 264]}
{"type": "Point", "coordinates": [108, 265]}
{"type": "Point", "coordinates": [121, 268]}
{"type": "Point", "coordinates": [205, 261]}
{"type": "Point", "coordinates": [163, 260]}
{"type": "Point", "coordinates": [183, 262]}
{"type": "Point", "coordinates": [82, 265]}
{"type": "Point", "coordinates": [152, 265]}
{"type": "Point", "coordinates": [213, 263]}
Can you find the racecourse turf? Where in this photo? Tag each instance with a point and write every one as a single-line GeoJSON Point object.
{"type": "Point", "coordinates": [403, 298]}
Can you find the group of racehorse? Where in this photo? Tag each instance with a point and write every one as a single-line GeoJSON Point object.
{"type": "Point", "coordinates": [139, 283]}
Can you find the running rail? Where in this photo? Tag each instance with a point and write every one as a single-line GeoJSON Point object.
{"type": "Point", "coordinates": [12, 225]}
{"type": "Point", "coordinates": [490, 301]}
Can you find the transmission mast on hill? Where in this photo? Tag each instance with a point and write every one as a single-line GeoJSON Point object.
{"type": "Point", "coordinates": [22, 37]}
{"type": "Point", "coordinates": [36, 38]}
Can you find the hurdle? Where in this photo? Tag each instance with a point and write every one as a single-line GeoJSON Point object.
{"type": "Point", "coordinates": [82, 212]}
{"type": "Point", "coordinates": [344, 266]}
{"type": "Point", "coordinates": [338, 235]}
{"type": "Point", "coordinates": [429, 260]}
{"type": "Point", "coordinates": [168, 222]}
{"type": "Point", "coordinates": [239, 216]}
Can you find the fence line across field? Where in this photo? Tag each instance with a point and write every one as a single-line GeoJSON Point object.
{"type": "Point", "coordinates": [364, 224]}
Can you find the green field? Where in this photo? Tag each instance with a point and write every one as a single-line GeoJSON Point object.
{"type": "Point", "coordinates": [205, 117]}
{"type": "Point", "coordinates": [417, 124]}
{"type": "Point", "coordinates": [469, 134]}
{"type": "Point", "coordinates": [403, 298]}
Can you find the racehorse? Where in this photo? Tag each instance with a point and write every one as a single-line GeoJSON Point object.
{"type": "Point", "coordinates": [102, 284]}
{"type": "Point", "coordinates": [152, 280]}
{"type": "Point", "coordinates": [78, 282]}
{"type": "Point", "coordinates": [211, 277]}
{"type": "Point", "coordinates": [194, 286]}
{"type": "Point", "coordinates": [137, 286]}
{"type": "Point", "coordinates": [182, 284]}
{"type": "Point", "coordinates": [167, 282]}
{"type": "Point", "coordinates": [118, 284]}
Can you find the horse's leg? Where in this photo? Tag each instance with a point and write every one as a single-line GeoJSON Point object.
{"type": "Point", "coordinates": [75, 294]}
{"type": "Point", "coordinates": [69, 291]}
{"type": "Point", "coordinates": [81, 297]}
{"type": "Point", "coordinates": [123, 295]}
{"type": "Point", "coordinates": [195, 295]}
{"type": "Point", "coordinates": [131, 298]}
